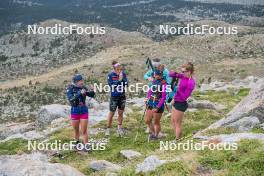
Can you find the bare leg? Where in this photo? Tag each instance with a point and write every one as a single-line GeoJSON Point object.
{"type": "Point", "coordinates": [148, 120]}
{"type": "Point", "coordinates": [120, 118]}
{"type": "Point", "coordinates": [157, 128]}
{"type": "Point", "coordinates": [75, 125]}
{"type": "Point", "coordinates": [177, 119]}
{"type": "Point", "coordinates": [110, 119]}
{"type": "Point", "coordinates": [84, 124]}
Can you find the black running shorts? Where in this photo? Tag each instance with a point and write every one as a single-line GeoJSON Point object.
{"type": "Point", "coordinates": [117, 102]}
{"type": "Point", "coordinates": [180, 106]}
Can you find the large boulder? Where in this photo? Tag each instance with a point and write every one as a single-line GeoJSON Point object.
{"type": "Point", "coordinates": [248, 113]}
{"type": "Point", "coordinates": [34, 165]}
{"type": "Point", "coordinates": [48, 113]}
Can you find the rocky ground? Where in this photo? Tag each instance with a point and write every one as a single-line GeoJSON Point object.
{"type": "Point", "coordinates": [227, 106]}
{"type": "Point", "coordinates": [132, 155]}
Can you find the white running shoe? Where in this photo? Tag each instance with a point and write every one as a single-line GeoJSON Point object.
{"type": "Point", "coordinates": [161, 135]}
{"type": "Point", "coordinates": [107, 132]}
{"type": "Point", "coordinates": [147, 130]}
{"type": "Point", "coordinates": [120, 132]}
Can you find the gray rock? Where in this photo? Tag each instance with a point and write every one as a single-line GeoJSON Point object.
{"type": "Point", "coordinates": [236, 137]}
{"type": "Point", "coordinates": [136, 102]}
{"type": "Point", "coordinates": [104, 165]}
{"type": "Point", "coordinates": [99, 111]}
{"type": "Point", "coordinates": [262, 126]}
{"type": "Point", "coordinates": [49, 113]}
{"type": "Point", "coordinates": [251, 106]}
{"type": "Point", "coordinates": [30, 135]}
{"type": "Point", "coordinates": [130, 154]}
{"type": "Point", "coordinates": [34, 165]}
{"type": "Point", "coordinates": [248, 82]}
{"type": "Point", "coordinates": [149, 164]}
{"type": "Point", "coordinates": [9, 129]}
{"type": "Point", "coordinates": [205, 104]}
{"type": "Point", "coordinates": [245, 124]}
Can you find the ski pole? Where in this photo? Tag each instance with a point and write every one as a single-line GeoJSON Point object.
{"type": "Point", "coordinates": [140, 123]}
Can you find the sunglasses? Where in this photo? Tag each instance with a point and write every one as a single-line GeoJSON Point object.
{"type": "Point", "coordinates": [184, 71]}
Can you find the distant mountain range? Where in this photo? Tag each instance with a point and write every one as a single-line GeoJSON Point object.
{"type": "Point", "coordinates": [127, 15]}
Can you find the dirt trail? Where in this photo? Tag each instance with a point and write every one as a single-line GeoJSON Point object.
{"type": "Point", "coordinates": [101, 57]}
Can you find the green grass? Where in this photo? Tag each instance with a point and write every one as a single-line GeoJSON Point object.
{"type": "Point", "coordinates": [248, 159]}
{"type": "Point", "coordinates": [178, 168]}
{"type": "Point", "coordinates": [14, 146]}
{"type": "Point", "coordinates": [257, 130]}
{"type": "Point", "coordinates": [221, 130]}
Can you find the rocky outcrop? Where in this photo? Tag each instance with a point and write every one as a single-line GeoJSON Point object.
{"type": "Point", "coordinates": [130, 154]}
{"type": "Point", "coordinates": [231, 138]}
{"type": "Point", "coordinates": [245, 124]}
{"type": "Point", "coordinates": [149, 164]}
{"type": "Point", "coordinates": [14, 128]}
{"type": "Point", "coordinates": [30, 135]}
{"type": "Point", "coordinates": [248, 113]}
{"type": "Point", "coordinates": [34, 165]}
{"type": "Point", "coordinates": [100, 165]}
{"type": "Point", "coordinates": [51, 112]}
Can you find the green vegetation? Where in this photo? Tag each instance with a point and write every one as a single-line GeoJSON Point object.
{"type": "Point", "coordinates": [178, 168]}
{"type": "Point", "coordinates": [14, 146]}
{"type": "Point", "coordinates": [3, 58]}
{"type": "Point", "coordinates": [248, 159]}
{"type": "Point", "coordinates": [217, 131]}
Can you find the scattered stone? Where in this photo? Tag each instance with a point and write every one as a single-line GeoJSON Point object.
{"type": "Point", "coordinates": [149, 164]}
{"type": "Point", "coordinates": [34, 164]}
{"type": "Point", "coordinates": [168, 115]}
{"type": "Point", "coordinates": [192, 110]}
{"type": "Point", "coordinates": [103, 165]}
{"type": "Point", "coordinates": [130, 154]}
